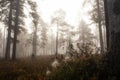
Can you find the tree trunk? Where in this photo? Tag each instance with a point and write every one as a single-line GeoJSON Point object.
{"type": "Point", "coordinates": [7, 53]}
{"type": "Point", "coordinates": [34, 42]}
{"type": "Point", "coordinates": [113, 56]}
{"type": "Point", "coordinates": [4, 41]}
{"type": "Point", "coordinates": [57, 42]}
{"type": "Point", "coordinates": [16, 30]}
{"type": "Point", "coordinates": [107, 24]}
{"type": "Point", "coordinates": [100, 28]}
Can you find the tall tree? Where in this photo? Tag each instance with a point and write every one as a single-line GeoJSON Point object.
{"type": "Point", "coordinates": [7, 53]}
{"type": "Point", "coordinates": [106, 8]}
{"type": "Point", "coordinates": [43, 37]}
{"type": "Point", "coordinates": [85, 44]}
{"type": "Point", "coordinates": [6, 18]}
{"type": "Point", "coordinates": [66, 35]}
{"type": "Point", "coordinates": [97, 15]}
{"type": "Point", "coordinates": [58, 19]}
{"type": "Point", "coordinates": [100, 27]}
{"type": "Point", "coordinates": [16, 29]}
{"type": "Point", "coordinates": [9, 17]}
{"type": "Point", "coordinates": [35, 17]}
{"type": "Point", "coordinates": [85, 34]}
{"type": "Point", "coordinates": [114, 54]}
{"type": "Point", "coordinates": [18, 23]}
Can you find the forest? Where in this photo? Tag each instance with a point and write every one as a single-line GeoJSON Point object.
{"type": "Point", "coordinates": [59, 39]}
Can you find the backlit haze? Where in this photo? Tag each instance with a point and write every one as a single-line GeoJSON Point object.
{"type": "Point", "coordinates": [75, 10]}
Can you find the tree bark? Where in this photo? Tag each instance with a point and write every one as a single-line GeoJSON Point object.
{"type": "Point", "coordinates": [100, 28]}
{"type": "Point", "coordinates": [57, 42]}
{"type": "Point", "coordinates": [16, 30]}
{"type": "Point", "coordinates": [7, 53]}
{"type": "Point", "coordinates": [34, 42]}
{"type": "Point", "coordinates": [113, 56]}
{"type": "Point", "coordinates": [107, 24]}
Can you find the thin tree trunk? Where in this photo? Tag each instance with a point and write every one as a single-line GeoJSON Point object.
{"type": "Point", "coordinates": [7, 53]}
{"type": "Point", "coordinates": [4, 41]}
{"type": "Point", "coordinates": [57, 42]}
{"type": "Point", "coordinates": [34, 42]}
{"type": "Point", "coordinates": [16, 30]}
{"type": "Point", "coordinates": [51, 43]}
{"type": "Point", "coordinates": [104, 36]}
{"type": "Point", "coordinates": [68, 44]}
{"type": "Point", "coordinates": [107, 24]}
{"type": "Point", "coordinates": [4, 35]}
{"type": "Point", "coordinates": [100, 28]}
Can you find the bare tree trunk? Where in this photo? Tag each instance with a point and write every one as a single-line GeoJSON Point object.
{"type": "Point", "coordinates": [7, 53]}
{"type": "Point", "coordinates": [51, 42]}
{"type": "Point", "coordinates": [57, 42]}
{"type": "Point", "coordinates": [16, 30]}
{"type": "Point", "coordinates": [107, 24]}
{"type": "Point", "coordinates": [113, 57]}
{"type": "Point", "coordinates": [34, 42]}
{"type": "Point", "coordinates": [4, 41]}
{"type": "Point", "coordinates": [100, 28]}
{"type": "Point", "coordinates": [104, 38]}
{"type": "Point", "coordinates": [68, 43]}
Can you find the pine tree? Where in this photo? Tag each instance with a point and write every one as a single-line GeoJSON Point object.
{"type": "Point", "coordinates": [35, 20]}
{"type": "Point", "coordinates": [7, 53]}
{"type": "Point", "coordinates": [10, 14]}
{"type": "Point", "coordinates": [97, 15]}
{"type": "Point", "coordinates": [58, 19]}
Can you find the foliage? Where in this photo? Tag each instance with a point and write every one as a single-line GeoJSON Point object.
{"type": "Point", "coordinates": [94, 12]}
{"type": "Point", "coordinates": [43, 36]}
{"type": "Point", "coordinates": [4, 12]}
{"type": "Point", "coordinates": [82, 68]}
{"type": "Point", "coordinates": [87, 48]}
{"type": "Point", "coordinates": [85, 34]}
{"type": "Point", "coordinates": [92, 67]}
{"type": "Point", "coordinates": [35, 16]}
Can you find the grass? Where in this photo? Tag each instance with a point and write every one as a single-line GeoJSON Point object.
{"type": "Point", "coordinates": [25, 68]}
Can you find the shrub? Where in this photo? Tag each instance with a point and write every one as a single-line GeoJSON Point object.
{"type": "Point", "coordinates": [83, 68]}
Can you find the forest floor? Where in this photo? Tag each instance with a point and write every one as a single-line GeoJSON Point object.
{"type": "Point", "coordinates": [25, 68]}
